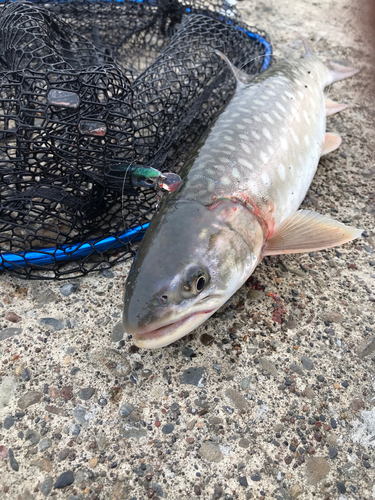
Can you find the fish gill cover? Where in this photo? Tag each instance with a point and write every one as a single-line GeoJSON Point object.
{"type": "Point", "coordinates": [89, 91]}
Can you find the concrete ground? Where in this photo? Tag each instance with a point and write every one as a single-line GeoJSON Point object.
{"type": "Point", "coordinates": [272, 398]}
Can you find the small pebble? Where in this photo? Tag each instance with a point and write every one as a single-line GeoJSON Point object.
{"type": "Point", "coordinates": [193, 376]}
{"type": "Point", "coordinates": [8, 422]}
{"type": "Point", "coordinates": [12, 461]}
{"type": "Point", "coordinates": [167, 429]}
{"type": "Point", "coordinates": [332, 452]}
{"type": "Point", "coordinates": [69, 288]}
{"type": "Point", "coordinates": [206, 339]}
{"type": "Point", "coordinates": [65, 479]}
{"type": "Point", "coordinates": [126, 409]}
{"type": "Point", "coordinates": [86, 393]}
{"type": "Point", "coordinates": [197, 490]}
{"type": "Point", "coordinates": [46, 486]}
{"type": "Point", "coordinates": [341, 487]}
{"type": "Point", "coordinates": [243, 481]}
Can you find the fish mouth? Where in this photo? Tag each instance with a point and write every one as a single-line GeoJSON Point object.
{"type": "Point", "coordinates": [171, 332]}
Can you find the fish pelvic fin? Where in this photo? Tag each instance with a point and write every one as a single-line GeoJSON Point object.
{"type": "Point", "coordinates": [242, 78]}
{"type": "Point", "coordinates": [338, 71]}
{"type": "Point", "coordinates": [331, 142]}
{"type": "Point", "coordinates": [308, 231]}
{"type": "Point", "coordinates": [334, 107]}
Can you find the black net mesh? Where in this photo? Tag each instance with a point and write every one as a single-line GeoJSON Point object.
{"type": "Point", "coordinates": [87, 91]}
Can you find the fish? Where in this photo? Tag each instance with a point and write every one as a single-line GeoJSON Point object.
{"type": "Point", "coordinates": [238, 201]}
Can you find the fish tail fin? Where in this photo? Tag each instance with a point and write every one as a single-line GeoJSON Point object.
{"type": "Point", "coordinates": [242, 78]}
{"type": "Point", "coordinates": [338, 71]}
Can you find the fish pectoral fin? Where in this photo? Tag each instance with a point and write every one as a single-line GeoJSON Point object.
{"type": "Point", "coordinates": [308, 231]}
{"type": "Point", "coordinates": [241, 76]}
{"type": "Point", "coordinates": [334, 107]}
{"type": "Point", "coordinates": [331, 142]}
{"type": "Point", "coordinates": [338, 71]}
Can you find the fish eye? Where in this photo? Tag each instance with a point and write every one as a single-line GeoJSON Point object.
{"type": "Point", "coordinates": [201, 281]}
{"type": "Point", "coordinates": [195, 279]}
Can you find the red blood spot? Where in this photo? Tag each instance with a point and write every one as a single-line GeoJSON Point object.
{"type": "Point", "coordinates": [279, 312]}
{"type": "Point", "coordinates": [254, 284]}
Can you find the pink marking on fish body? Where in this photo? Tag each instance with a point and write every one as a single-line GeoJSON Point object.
{"type": "Point", "coordinates": [265, 215]}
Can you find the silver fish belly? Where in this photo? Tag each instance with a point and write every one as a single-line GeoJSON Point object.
{"type": "Point", "coordinates": [238, 202]}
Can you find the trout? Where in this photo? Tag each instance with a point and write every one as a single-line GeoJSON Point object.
{"type": "Point", "coordinates": [238, 201]}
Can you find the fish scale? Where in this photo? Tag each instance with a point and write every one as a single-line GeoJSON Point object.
{"type": "Point", "coordinates": [250, 149]}
{"type": "Point", "coordinates": [238, 202]}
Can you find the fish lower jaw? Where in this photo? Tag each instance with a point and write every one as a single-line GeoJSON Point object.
{"type": "Point", "coordinates": [168, 334]}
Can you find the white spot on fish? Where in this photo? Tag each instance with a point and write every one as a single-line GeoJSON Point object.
{"type": "Point", "coordinates": [227, 138]}
{"type": "Point", "coordinates": [236, 173]}
{"type": "Point", "coordinates": [257, 101]}
{"type": "Point", "coordinates": [279, 117]}
{"type": "Point", "coordinates": [263, 156]}
{"type": "Point", "coordinates": [288, 94]}
{"type": "Point", "coordinates": [225, 181]}
{"type": "Point", "coordinates": [267, 133]}
{"type": "Point", "coordinates": [257, 119]}
{"type": "Point", "coordinates": [243, 137]}
{"type": "Point", "coordinates": [210, 185]}
{"type": "Point", "coordinates": [306, 116]}
{"type": "Point", "coordinates": [255, 134]}
{"type": "Point", "coordinates": [300, 94]}
{"type": "Point", "coordinates": [268, 118]}
{"type": "Point", "coordinates": [307, 140]}
{"type": "Point", "coordinates": [284, 144]}
{"type": "Point", "coordinates": [246, 148]}
{"type": "Point", "coordinates": [297, 117]}
{"type": "Point", "coordinates": [270, 150]}
{"type": "Point", "coordinates": [266, 179]}
{"type": "Point", "coordinates": [254, 189]}
{"type": "Point", "coordinates": [245, 163]}
{"type": "Point", "coordinates": [240, 126]}
{"type": "Point", "coordinates": [281, 107]}
{"type": "Point", "coordinates": [206, 155]}
{"type": "Point", "coordinates": [281, 170]}
{"type": "Point", "coordinates": [247, 120]}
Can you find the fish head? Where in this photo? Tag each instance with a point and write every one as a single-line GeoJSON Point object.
{"type": "Point", "coordinates": [190, 262]}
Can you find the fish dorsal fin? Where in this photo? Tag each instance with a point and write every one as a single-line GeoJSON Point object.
{"type": "Point", "coordinates": [242, 78]}
{"type": "Point", "coordinates": [306, 45]}
{"type": "Point", "coordinates": [334, 107]}
{"type": "Point", "coordinates": [308, 231]}
{"type": "Point", "coordinates": [331, 142]}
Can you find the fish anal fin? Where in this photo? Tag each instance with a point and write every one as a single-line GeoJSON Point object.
{"type": "Point", "coordinates": [334, 107]}
{"type": "Point", "coordinates": [242, 78]}
{"type": "Point", "coordinates": [308, 231]}
{"type": "Point", "coordinates": [339, 71]}
{"type": "Point", "coordinates": [331, 142]}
